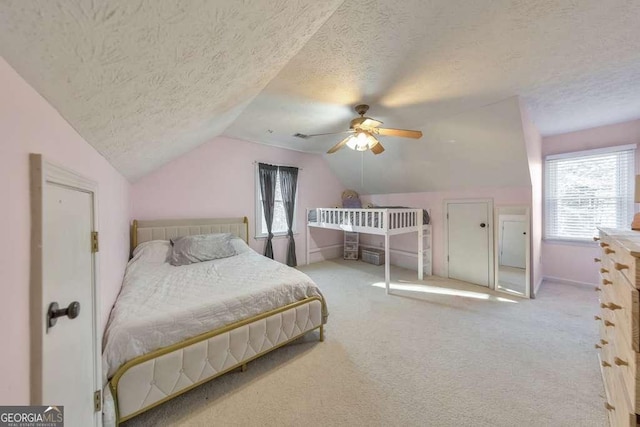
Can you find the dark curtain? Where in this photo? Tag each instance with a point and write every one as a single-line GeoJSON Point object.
{"type": "Point", "coordinates": [288, 186]}
{"type": "Point", "coordinates": [268, 175]}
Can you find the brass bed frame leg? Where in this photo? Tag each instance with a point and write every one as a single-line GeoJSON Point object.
{"type": "Point", "coordinates": [321, 333]}
{"type": "Point", "coordinates": [243, 368]}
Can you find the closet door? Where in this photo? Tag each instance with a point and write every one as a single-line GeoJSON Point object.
{"type": "Point", "coordinates": [469, 241]}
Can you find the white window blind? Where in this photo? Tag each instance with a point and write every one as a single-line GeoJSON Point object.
{"type": "Point", "coordinates": [588, 189]}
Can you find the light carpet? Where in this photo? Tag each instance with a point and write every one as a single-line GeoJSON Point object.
{"type": "Point", "coordinates": [441, 353]}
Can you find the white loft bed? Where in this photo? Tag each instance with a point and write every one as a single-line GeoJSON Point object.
{"type": "Point", "coordinates": [383, 222]}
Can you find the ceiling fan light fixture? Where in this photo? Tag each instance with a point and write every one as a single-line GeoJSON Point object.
{"type": "Point", "coordinates": [363, 132]}
{"type": "Point", "coordinates": [362, 141]}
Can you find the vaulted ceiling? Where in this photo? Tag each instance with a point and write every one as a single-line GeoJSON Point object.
{"type": "Point", "coordinates": [146, 81]}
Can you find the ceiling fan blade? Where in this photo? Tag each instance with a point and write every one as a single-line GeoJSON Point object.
{"type": "Point", "coordinates": [370, 123]}
{"type": "Point", "coordinates": [377, 149]}
{"type": "Point", "coordinates": [339, 145]}
{"type": "Point", "coordinates": [330, 133]}
{"type": "Point", "coordinates": [403, 133]}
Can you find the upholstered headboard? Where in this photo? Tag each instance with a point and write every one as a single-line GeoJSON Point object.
{"type": "Point", "coordinates": [165, 229]}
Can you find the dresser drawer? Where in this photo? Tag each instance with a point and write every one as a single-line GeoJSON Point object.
{"type": "Point", "coordinates": [620, 303]}
{"type": "Point", "coordinates": [617, 404]}
{"type": "Point", "coordinates": [615, 257]}
{"type": "Point", "coordinates": [625, 365]}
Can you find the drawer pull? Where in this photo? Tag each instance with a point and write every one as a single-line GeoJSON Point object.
{"type": "Point", "coordinates": [619, 362]}
{"type": "Point", "coordinates": [597, 318]}
{"type": "Point", "coordinates": [609, 251]}
{"type": "Point", "coordinates": [614, 306]}
{"type": "Point", "coordinates": [597, 260]}
{"type": "Point", "coordinates": [604, 342]}
{"type": "Point", "coordinates": [604, 270]}
{"type": "Point", "coordinates": [603, 244]}
{"type": "Point", "coordinates": [608, 406]}
{"type": "Point", "coordinates": [606, 282]}
{"type": "Point", "coordinates": [603, 305]}
{"type": "Point", "coordinates": [619, 266]}
{"type": "Point", "coordinates": [606, 364]}
{"type": "Point", "coordinates": [595, 239]}
{"type": "Point", "coordinates": [598, 289]}
{"type": "Point", "coordinates": [598, 346]}
{"type": "Point", "coordinates": [607, 323]}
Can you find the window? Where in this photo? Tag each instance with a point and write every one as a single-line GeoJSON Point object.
{"type": "Point", "coordinates": [588, 189]}
{"type": "Point", "coordinates": [279, 217]}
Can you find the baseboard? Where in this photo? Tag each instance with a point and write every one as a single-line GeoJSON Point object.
{"type": "Point", "coordinates": [393, 251]}
{"type": "Point", "coordinates": [536, 287]}
{"type": "Point", "coordinates": [566, 281]}
{"type": "Point", "coordinates": [404, 259]}
{"type": "Point", "coordinates": [324, 253]}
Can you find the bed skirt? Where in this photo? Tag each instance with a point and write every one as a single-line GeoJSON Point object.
{"type": "Point", "coordinates": [154, 378]}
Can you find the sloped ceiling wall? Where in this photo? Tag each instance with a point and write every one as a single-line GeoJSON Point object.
{"type": "Point", "coordinates": [479, 148]}
{"type": "Point", "coordinates": [145, 81]}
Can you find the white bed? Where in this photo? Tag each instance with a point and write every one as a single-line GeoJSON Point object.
{"type": "Point", "coordinates": [173, 328]}
{"type": "Point", "coordinates": [384, 222]}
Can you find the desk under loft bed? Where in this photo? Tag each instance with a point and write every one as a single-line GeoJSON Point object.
{"type": "Point", "coordinates": [383, 222]}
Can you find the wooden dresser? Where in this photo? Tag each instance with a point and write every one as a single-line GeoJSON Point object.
{"type": "Point", "coordinates": [619, 323]}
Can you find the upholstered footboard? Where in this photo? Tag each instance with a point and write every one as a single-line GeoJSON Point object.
{"type": "Point", "coordinates": [154, 378]}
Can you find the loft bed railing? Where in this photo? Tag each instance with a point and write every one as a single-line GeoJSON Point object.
{"type": "Point", "coordinates": [373, 221]}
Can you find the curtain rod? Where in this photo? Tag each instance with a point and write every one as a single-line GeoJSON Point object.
{"type": "Point", "coordinates": [286, 166]}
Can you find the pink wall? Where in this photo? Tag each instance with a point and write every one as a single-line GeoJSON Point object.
{"type": "Point", "coordinates": [509, 196]}
{"type": "Point", "coordinates": [28, 124]}
{"type": "Point", "coordinates": [574, 262]}
{"type": "Point", "coordinates": [218, 180]}
{"type": "Point", "coordinates": [533, 143]}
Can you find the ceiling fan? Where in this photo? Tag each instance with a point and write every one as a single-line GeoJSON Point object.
{"type": "Point", "coordinates": [363, 131]}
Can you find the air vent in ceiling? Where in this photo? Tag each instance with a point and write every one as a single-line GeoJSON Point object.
{"type": "Point", "coordinates": [301, 135]}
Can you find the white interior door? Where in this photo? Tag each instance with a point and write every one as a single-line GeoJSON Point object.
{"type": "Point", "coordinates": [513, 243]}
{"type": "Point", "coordinates": [66, 340]}
{"type": "Point", "coordinates": [68, 365]}
{"type": "Point", "coordinates": [468, 241]}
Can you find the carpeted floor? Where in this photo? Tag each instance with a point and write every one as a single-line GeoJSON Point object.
{"type": "Point", "coordinates": [443, 354]}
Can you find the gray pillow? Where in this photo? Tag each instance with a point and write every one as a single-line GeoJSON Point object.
{"type": "Point", "coordinates": [202, 247]}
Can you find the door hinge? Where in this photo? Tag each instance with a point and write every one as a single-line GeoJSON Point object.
{"type": "Point", "coordinates": [97, 400]}
{"type": "Point", "coordinates": [447, 258]}
{"type": "Point", "coordinates": [95, 247]}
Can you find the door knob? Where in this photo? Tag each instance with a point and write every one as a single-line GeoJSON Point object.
{"type": "Point", "coordinates": [483, 225]}
{"type": "Point", "coordinates": [55, 311]}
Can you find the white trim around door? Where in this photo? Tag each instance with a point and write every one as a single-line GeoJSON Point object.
{"type": "Point", "coordinates": [43, 173]}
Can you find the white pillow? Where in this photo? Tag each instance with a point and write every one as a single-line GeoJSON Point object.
{"type": "Point", "coordinates": [240, 245]}
{"type": "Point", "coordinates": [153, 251]}
{"type": "Point", "coordinates": [201, 247]}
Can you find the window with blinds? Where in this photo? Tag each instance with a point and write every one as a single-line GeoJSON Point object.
{"type": "Point", "coordinates": [588, 189]}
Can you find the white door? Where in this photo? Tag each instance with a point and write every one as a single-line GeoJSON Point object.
{"type": "Point", "coordinates": [468, 241]}
{"type": "Point", "coordinates": [513, 244]}
{"type": "Point", "coordinates": [68, 347]}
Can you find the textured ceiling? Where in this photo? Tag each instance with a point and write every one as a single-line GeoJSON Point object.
{"type": "Point", "coordinates": [147, 81]}
{"type": "Point", "coordinates": [576, 64]}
